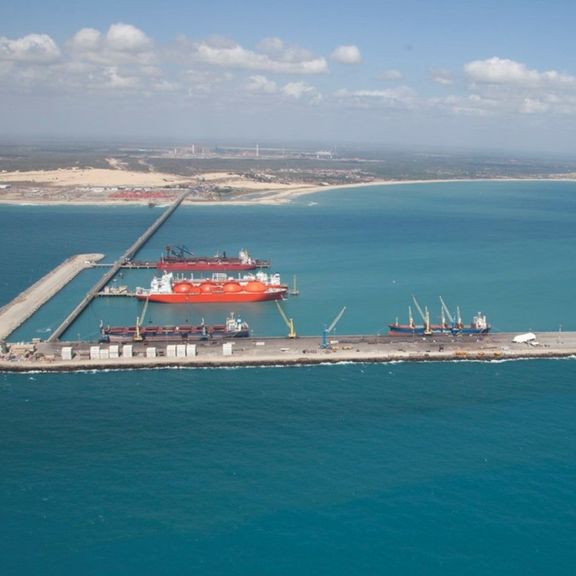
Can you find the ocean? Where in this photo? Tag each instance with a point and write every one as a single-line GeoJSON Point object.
{"type": "Point", "coordinates": [440, 468]}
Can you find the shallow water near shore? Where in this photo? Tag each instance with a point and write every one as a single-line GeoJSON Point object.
{"type": "Point", "coordinates": [437, 469]}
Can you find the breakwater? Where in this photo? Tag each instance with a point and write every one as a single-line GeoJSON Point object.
{"type": "Point", "coordinates": [26, 303]}
{"type": "Point", "coordinates": [75, 356]}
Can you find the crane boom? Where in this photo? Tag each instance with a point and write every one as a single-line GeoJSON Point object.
{"type": "Point", "coordinates": [329, 329]}
{"type": "Point", "coordinates": [288, 321]}
{"type": "Point", "coordinates": [447, 312]}
{"type": "Point", "coordinates": [419, 309]}
{"type": "Point", "coordinates": [140, 319]}
{"type": "Point", "coordinates": [336, 320]}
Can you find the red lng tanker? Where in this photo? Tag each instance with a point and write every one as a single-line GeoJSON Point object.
{"type": "Point", "coordinates": [182, 259]}
{"type": "Point", "coordinates": [220, 288]}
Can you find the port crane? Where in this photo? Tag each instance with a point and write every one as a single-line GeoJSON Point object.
{"type": "Point", "coordinates": [288, 321]}
{"type": "Point", "coordinates": [425, 316]}
{"type": "Point", "coordinates": [139, 319]}
{"type": "Point", "coordinates": [329, 329]}
{"type": "Point", "coordinates": [456, 323]}
{"type": "Point", "coordinates": [446, 311]}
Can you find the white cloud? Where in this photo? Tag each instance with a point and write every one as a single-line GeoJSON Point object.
{"type": "Point", "coordinates": [534, 106]}
{"type": "Point", "coordinates": [503, 71]}
{"type": "Point", "coordinates": [127, 38]}
{"type": "Point", "coordinates": [347, 55]}
{"type": "Point", "coordinates": [271, 45]}
{"type": "Point", "coordinates": [202, 83]}
{"type": "Point", "coordinates": [299, 90]}
{"type": "Point", "coordinates": [469, 105]}
{"type": "Point", "coordinates": [117, 81]}
{"type": "Point", "coordinates": [513, 88]}
{"type": "Point", "coordinates": [389, 75]}
{"type": "Point", "coordinates": [261, 84]}
{"type": "Point", "coordinates": [166, 86]}
{"type": "Point", "coordinates": [122, 45]}
{"type": "Point", "coordinates": [442, 76]}
{"type": "Point", "coordinates": [400, 97]}
{"type": "Point", "coordinates": [86, 40]}
{"type": "Point", "coordinates": [36, 48]}
{"type": "Point", "coordinates": [291, 60]}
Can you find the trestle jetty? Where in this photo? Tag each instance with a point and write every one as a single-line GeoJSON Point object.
{"type": "Point", "coordinates": [115, 268]}
{"type": "Point", "coordinates": [308, 350]}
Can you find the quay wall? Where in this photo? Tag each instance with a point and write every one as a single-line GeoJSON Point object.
{"type": "Point", "coordinates": [303, 351]}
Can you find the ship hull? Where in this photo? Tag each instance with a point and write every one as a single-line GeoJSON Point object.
{"type": "Point", "coordinates": [206, 263]}
{"type": "Point", "coordinates": [213, 297]}
{"type": "Point", "coordinates": [204, 266]}
{"type": "Point", "coordinates": [171, 334]}
{"type": "Point", "coordinates": [407, 330]}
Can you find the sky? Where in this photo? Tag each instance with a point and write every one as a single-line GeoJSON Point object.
{"type": "Point", "coordinates": [489, 74]}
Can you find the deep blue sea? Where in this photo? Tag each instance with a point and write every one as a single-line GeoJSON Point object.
{"type": "Point", "coordinates": [456, 468]}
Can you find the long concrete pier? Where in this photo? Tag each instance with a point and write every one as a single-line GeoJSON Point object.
{"type": "Point", "coordinates": [114, 269]}
{"type": "Point", "coordinates": [16, 312]}
{"type": "Point", "coordinates": [286, 352]}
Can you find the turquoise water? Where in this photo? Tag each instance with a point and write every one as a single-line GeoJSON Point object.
{"type": "Point", "coordinates": [463, 468]}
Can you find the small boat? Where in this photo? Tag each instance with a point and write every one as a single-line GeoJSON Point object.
{"type": "Point", "coordinates": [181, 258]}
{"type": "Point", "coordinates": [220, 287]}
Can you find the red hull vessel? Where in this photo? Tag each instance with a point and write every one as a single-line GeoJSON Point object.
{"type": "Point", "coordinates": [254, 288]}
{"type": "Point", "coordinates": [182, 259]}
{"type": "Point", "coordinates": [202, 265]}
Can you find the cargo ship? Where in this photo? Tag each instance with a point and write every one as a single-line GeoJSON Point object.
{"type": "Point", "coordinates": [181, 258]}
{"type": "Point", "coordinates": [220, 287]}
{"type": "Point", "coordinates": [449, 324]}
{"type": "Point", "coordinates": [232, 328]}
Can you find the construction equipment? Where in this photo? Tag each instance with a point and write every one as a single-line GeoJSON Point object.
{"type": "Point", "coordinates": [288, 321]}
{"type": "Point", "coordinates": [329, 329]}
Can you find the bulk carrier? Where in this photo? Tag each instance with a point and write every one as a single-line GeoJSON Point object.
{"type": "Point", "coordinates": [232, 328]}
{"type": "Point", "coordinates": [448, 323]}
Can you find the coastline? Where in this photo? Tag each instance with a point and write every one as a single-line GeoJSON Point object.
{"type": "Point", "coordinates": [268, 196]}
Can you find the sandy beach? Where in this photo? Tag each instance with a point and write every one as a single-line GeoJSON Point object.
{"type": "Point", "coordinates": [99, 186]}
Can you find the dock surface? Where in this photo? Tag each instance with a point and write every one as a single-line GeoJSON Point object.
{"type": "Point", "coordinates": [290, 352]}
{"type": "Point", "coordinates": [16, 312]}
